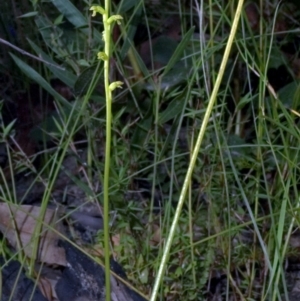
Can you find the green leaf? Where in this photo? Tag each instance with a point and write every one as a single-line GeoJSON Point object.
{"type": "Point", "coordinates": [170, 137]}
{"type": "Point", "coordinates": [174, 109]}
{"type": "Point", "coordinates": [276, 58]}
{"type": "Point", "coordinates": [52, 126]}
{"type": "Point", "coordinates": [58, 20]}
{"type": "Point", "coordinates": [141, 133]}
{"type": "Point", "coordinates": [46, 29]}
{"type": "Point", "coordinates": [244, 100]}
{"type": "Point", "coordinates": [8, 128]}
{"type": "Point", "coordinates": [289, 94]}
{"type": "Point", "coordinates": [238, 147]}
{"type": "Point", "coordinates": [179, 50]}
{"type": "Point", "coordinates": [127, 5]}
{"type": "Point", "coordinates": [58, 125]}
{"type": "Point", "coordinates": [177, 74]}
{"type": "Point", "coordinates": [163, 49]}
{"type": "Point", "coordinates": [141, 64]}
{"type": "Point", "coordinates": [75, 17]}
{"type": "Point", "coordinates": [144, 275]}
{"type": "Point", "coordinates": [129, 33]}
{"type": "Point", "coordinates": [65, 76]}
{"type": "Point", "coordinates": [35, 76]}
{"type": "Point", "coordinates": [71, 13]}
{"type": "Point", "coordinates": [29, 15]}
{"type": "Point", "coordinates": [84, 80]}
{"type": "Point", "coordinates": [83, 63]}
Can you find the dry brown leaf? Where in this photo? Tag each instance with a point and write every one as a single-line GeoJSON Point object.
{"type": "Point", "coordinates": [46, 288]}
{"type": "Point", "coordinates": [98, 251]}
{"type": "Point", "coordinates": [156, 235]}
{"type": "Point", "coordinates": [116, 240]}
{"type": "Point", "coordinates": [24, 218]}
{"type": "Point", "coordinates": [47, 279]}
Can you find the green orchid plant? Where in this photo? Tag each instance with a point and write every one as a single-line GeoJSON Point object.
{"type": "Point", "coordinates": [105, 56]}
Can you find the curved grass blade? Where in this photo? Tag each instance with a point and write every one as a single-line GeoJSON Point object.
{"type": "Point", "coordinates": [35, 76]}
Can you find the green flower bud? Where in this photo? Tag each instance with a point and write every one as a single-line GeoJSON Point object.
{"type": "Point", "coordinates": [97, 9]}
{"type": "Point", "coordinates": [102, 56]}
{"type": "Point", "coordinates": [115, 85]}
{"type": "Point", "coordinates": [115, 18]}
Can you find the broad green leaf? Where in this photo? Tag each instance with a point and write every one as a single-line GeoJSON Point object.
{"type": "Point", "coordinates": [75, 17]}
{"type": "Point", "coordinates": [140, 62]}
{"type": "Point", "coordinates": [176, 75]}
{"type": "Point", "coordinates": [179, 50]}
{"type": "Point", "coordinates": [141, 133]}
{"type": "Point", "coordinates": [174, 109]}
{"type": "Point", "coordinates": [237, 146]}
{"type": "Point", "coordinates": [84, 80]}
{"type": "Point", "coordinates": [163, 49]}
{"type": "Point", "coordinates": [65, 76]}
{"type": "Point", "coordinates": [142, 66]}
{"type": "Point", "coordinates": [35, 76]}
{"type": "Point", "coordinates": [276, 58]}
{"type": "Point", "coordinates": [70, 11]}
{"type": "Point", "coordinates": [127, 5]}
{"type": "Point", "coordinates": [289, 94]}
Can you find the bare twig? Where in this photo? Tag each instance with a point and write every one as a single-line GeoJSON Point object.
{"type": "Point", "coordinates": [30, 55]}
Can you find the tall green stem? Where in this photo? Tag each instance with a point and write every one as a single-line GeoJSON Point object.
{"type": "Point", "coordinates": [107, 151]}
{"type": "Point", "coordinates": [109, 87]}
{"type": "Point", "coordinates": [107, 158]}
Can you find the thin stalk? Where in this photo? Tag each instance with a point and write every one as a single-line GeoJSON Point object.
{"type": "Point", "coordinates": [109, 87]}
{"type": "Point", "coordinates": [107, 37]}
{"type": "Point", "coordinates": [196, 151]}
